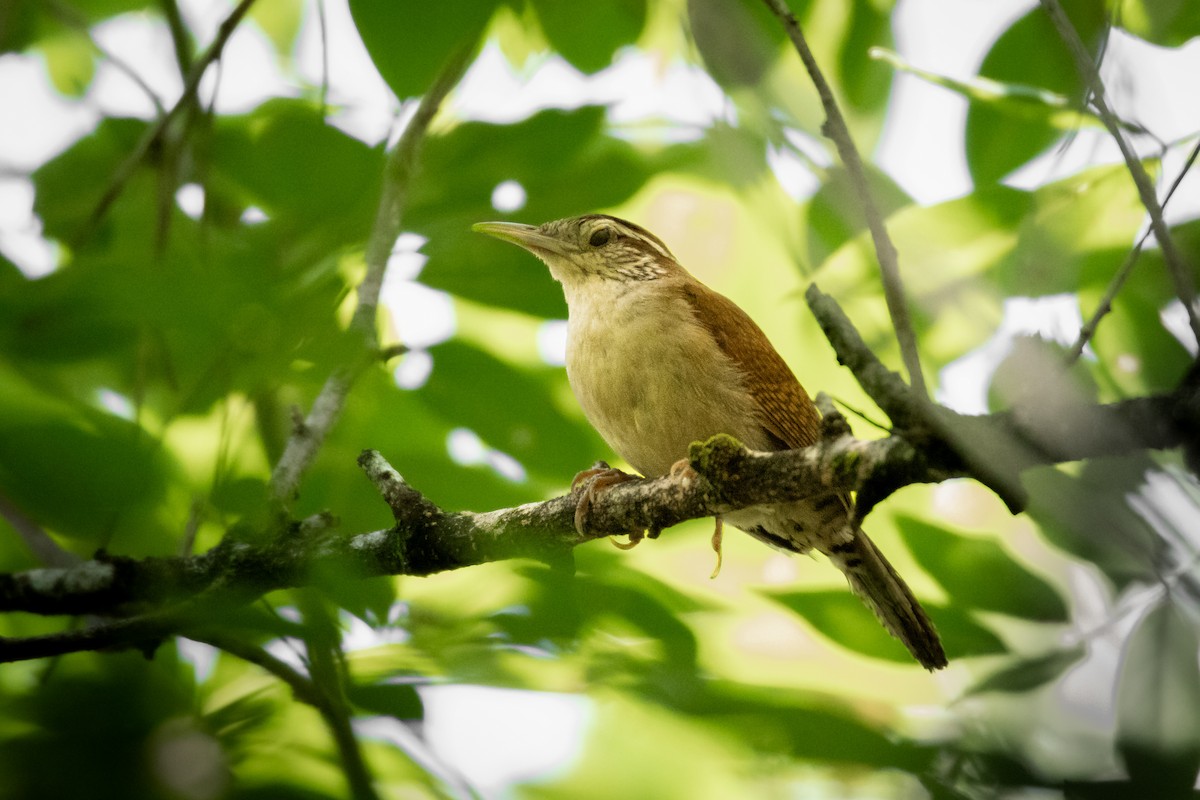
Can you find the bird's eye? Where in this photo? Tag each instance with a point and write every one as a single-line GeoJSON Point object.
{"type": "Point", "coordinates": [600, 237]}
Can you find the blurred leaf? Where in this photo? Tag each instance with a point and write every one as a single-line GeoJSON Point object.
{"type": "Point", "coordinates": [429, 35]}
{"type": "Point", "coordinates": [280, 20]}
{"type": "Point", "coordinates": [135, 707]}
{"type": "Point", "coordinates": [1025, 674]}
{"type": "Point", "coordinates": [587, 34]}
{"type": "Point", "coordinates": [1168, 23]}
{"type": "Point", "coordinates": [1089, 515]}
{"type": "Point", "coordinates": [1158, 692]}
{"type": "Point", "coordinates": [70, 185]}
{"type": "Point", "coordinates": [80, 472]}
{"type": "Point", "coordinates": [1080, 225]}
{"type": "Point", "coordinates": [737, 40]}
{"type": "Point", "coordinates": [865, 83]}
{"type": "Point", "coordinates": [842, 618]}
{"type": "Point", "coordinates": [69, 61]}
{"type": "Point", "coordinates": [980, 574]}
{"type": "Point", "coordinates": [396, 700]}
{"type": "Point", "coordinates": [949, 252]}
{"type": "Point", "coordinates": [1029, 53]}
{"type": "Point", "coordinates": [834, 215]}
{"type": "Point", "coordinates": [774, 721]}
{"type": "Point", "coordinates": [537, 434]}
{"type": "Point", "coordinates": [284, 158]}
{"type": "Point", "coordinates": [1135, 352]}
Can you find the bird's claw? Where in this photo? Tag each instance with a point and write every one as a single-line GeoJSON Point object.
{"type": "Point", "coordinates": [592, 481]}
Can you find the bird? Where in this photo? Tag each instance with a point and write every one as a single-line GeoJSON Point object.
{"type": "Point", "coordinates": [657, 360]}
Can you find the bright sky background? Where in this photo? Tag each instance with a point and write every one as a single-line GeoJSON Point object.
{"type": "Point", "coordinates": [466, 728]}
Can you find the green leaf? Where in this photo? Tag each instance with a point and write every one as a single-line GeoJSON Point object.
{"type": "Point", "coordinates": [1081, 225]}
{"type": "Point", "coordinates": [410, 40]}
{"type": "Point", "coordinates": [738, 40]}
{"type": "Point", "coordinates": [1089, 515]}
{"type": "Point", "coordinates": [70, 185]}
{"type": "Point", "coordinates": [69, 61]}
{"type": "Point", "coordinates": [1029, 53]}
{"type": "Point", "coordinates": [1158, 692]}
{"type": "Point", "coordinates": [280, 21]}
{"type": "Point", "coordinates": [842, 618]}
{"type": "Point", "coordinates": [1169, 23]}
{"type": "Point", "coordinates": [865, 83]}
{"type": "Point", "coordinates": [834, 213]}
{"type": "Point", "coordinates": [587, 34]}
{"type": "Point", "coordinates": [980, 574]}
{"type": "Point", "coordinates": [305, 174]}
{"type": "Point", "coordinates": [948, 253]}
{"type": "Point", "coordinates": [78, 471]}
{"type": "Point", "coordinates": [1026, 674]}
{"type": "Point", "coordinates": [537, 433]}
{"type": "Point", "coordinates": [396, 700]}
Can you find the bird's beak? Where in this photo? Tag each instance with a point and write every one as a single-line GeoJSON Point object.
{"type": "Point", "coordinates": [528, 236]}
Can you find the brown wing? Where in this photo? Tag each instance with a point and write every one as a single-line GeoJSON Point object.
{"type": "Point", "coordinates": [788, 414]}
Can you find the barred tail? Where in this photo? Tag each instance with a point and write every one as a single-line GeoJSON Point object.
{"type": "Point", "coordinates": [873, 579]}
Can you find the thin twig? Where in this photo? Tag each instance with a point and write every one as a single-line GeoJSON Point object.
{"type": "Point", "coordinates": [155, 132]}
{"type": "Point", "coordinates": [307, 438]}
{"type": "Point", "coordinates": [44, 549]}
{"type": "Point", "coordinates": [179, 36]}
{"type": "Point", "coordinates": [1089, 328]}
{"type": "Point", "coordinates": [836, 129]}
{"type": "Point", "coordinates": [1176, 263]}
{"type": "Point", "coordinates": [323, 27]}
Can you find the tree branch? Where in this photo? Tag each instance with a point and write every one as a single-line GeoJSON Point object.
{"type": "Point", "coordinates": [426, 539]}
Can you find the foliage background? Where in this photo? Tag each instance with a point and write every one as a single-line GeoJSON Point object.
{"type": "Point", "coordinates": [146, 382]}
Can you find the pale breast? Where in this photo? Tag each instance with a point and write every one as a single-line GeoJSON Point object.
{"type": "Point", "coordinates": [649, 378]}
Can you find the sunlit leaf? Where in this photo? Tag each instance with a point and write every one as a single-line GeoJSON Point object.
{"type": "Point", "coordinates": [1084, 224]}
{"type": "Point", "coordinates": [978, 573]}
{"type": "Point", "coordinates": [280, 20]}
{"type": "Point", "coordinates": [1169, 23]}
{"type": "Point", "coordinates": [69, 61]}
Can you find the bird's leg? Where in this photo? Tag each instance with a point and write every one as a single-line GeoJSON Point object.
{"type": "Point", "coordinates": [718, 535]}
{"type": "Point", "coordinates": [592, 481]}
{"type": "Point", "coordinates": [683, 470]}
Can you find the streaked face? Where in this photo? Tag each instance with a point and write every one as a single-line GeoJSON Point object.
{"type": "Point", "coordinates": [591, 246]}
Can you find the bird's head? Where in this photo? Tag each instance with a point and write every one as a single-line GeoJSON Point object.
{"type": "Point", "coordinates": [591, 247]}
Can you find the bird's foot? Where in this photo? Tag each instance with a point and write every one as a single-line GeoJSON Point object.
{"type": "Point", "coordinates": [717, 537]}
{"type": "Point", "coordinates": [591, 482]}
{"type": "Point", "coordinates": [682, 469]}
